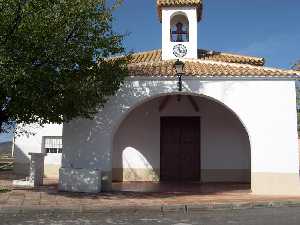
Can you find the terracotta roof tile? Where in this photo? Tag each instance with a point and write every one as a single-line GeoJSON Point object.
{"type": "Point", "coordinates": [155, 56]}
{"type": "Point", "coordinates": [209, 64]}
{"type": "Point", "coordinates": [230, 58]}
{"type": "Point", "coordinates": [204, 68]}
{"type": "Point", "coordinates": [167, 3]}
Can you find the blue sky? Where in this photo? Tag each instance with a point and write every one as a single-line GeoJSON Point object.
{"type": "Point", "coordinates": [266, 28]}
{"type": "Point", "coordinates": [5, 137]}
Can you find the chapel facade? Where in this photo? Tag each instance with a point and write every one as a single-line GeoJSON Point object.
{"type": "Point", "coordinates": [185, 114]}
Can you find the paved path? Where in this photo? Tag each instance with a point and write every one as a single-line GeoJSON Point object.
{"type": "Point", "coordinates": [48, 198]}
{"type": "Point", "coordinates": [263, 216]}
{"type": "Point", "coordinates": [51, 199]}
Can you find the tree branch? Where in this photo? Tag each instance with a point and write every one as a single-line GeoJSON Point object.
{"type": "Point", "coordinates": [71, 34]}
{"type": "Point", "coordinates": [16, 21]}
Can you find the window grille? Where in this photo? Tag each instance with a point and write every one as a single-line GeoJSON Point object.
{"type": "Point", "coordinates": [53, 145]}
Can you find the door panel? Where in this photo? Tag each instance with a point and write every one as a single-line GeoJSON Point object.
{"type": "Point", "coordinates": [180, 149]}
{"type": "Point", "coordinates": [170, 157]}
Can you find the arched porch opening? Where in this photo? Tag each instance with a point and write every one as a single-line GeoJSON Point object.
{"type": "Point", "coordinates": [198, 138]}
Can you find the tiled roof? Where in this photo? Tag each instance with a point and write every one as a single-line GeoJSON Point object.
{"type": "Point", "coordinates": [155, 56]}
{"type": "Point", "coordinates": [208, 65]}
{"type": "Point", "coordinates": [178, 2]}
{"type": "Point", "coordinates": [168, 3]}
{"type": "Point", "coordinates": [209, 69]}
{"type": "Point", "coordinates": [230, 58]}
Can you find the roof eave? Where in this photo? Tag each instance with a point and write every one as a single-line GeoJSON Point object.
{"type": "Point", "coordinates": [214, 77]}
{"type": "Point", "coordinates": [198, 6]}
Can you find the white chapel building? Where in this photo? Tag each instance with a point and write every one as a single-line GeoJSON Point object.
{"type": "Point", "coordinates": [185, 114]}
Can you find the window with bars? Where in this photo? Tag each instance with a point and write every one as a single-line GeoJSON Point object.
{"type": "Point", "coordinates": [53, 145]}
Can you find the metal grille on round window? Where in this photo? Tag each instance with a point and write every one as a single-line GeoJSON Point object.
{"type": "Point", "coordinates": [53, 144]}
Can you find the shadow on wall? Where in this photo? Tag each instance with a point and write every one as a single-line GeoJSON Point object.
{"type": "Point", "coordinates": [87, 132]}
{"type": "Point", "coordinates": [88, 143]}
{"type": "Point", "coordinates": [5, 148]}
{"type": "Point", "coordinates": [136, 154]}
{"type": "Point", "coordinates": [22, 162]}
{"type": "Point", "coordinates": [136, 162]}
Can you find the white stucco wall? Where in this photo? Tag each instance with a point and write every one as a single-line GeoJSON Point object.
{"type": "Point", "coordinates": [167, 45]}
{"type": "Point", "coordinates": [25, 144]}
{"type": "Point", "coordinates": [224, 141]}
{"type": "Point", "coordinates": [266, 108]}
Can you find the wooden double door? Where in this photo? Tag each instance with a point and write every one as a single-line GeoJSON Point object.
{"type": "Point", "coordinates": [180, 149]}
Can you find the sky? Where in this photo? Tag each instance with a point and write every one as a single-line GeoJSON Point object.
{"type": "Point", "coordinates": [5, 137]}
{"type": "Point", "coordinates": [265, 28]}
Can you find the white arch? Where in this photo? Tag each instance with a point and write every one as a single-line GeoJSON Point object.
{"type": "Point", "coordinates": [149, 98]}
{"type": "Point", "coordinates": [145, 100]}
{"type": "Point", "coordinates": [179, 13]}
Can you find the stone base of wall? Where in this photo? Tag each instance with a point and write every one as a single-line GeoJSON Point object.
{"type": "Point", "coordinates": [275, 184]}
{"type": "Point", "coordinates": [135, 174]}
{"type": "Point", "coordinates": [213, 175]}
{"type": "Point", "coordinates": [225, 175]}
{"type": "Point", "coordinates": [79, 180]}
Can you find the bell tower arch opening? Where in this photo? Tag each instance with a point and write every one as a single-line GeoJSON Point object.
{"type": "Point", "coordinates": [179, 28]}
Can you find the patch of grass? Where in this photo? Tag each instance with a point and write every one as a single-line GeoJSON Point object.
{"type": "Point", "coordinates": [4, 190]}
{"type": "Point", "coordinates": [6, 167]}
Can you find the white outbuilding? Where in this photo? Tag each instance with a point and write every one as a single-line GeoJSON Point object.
{"type": "Point", "coordinates": [185, 114]}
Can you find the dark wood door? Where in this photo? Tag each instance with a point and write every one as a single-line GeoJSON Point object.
{"type": "Point", "coordinates": [180, 149]}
